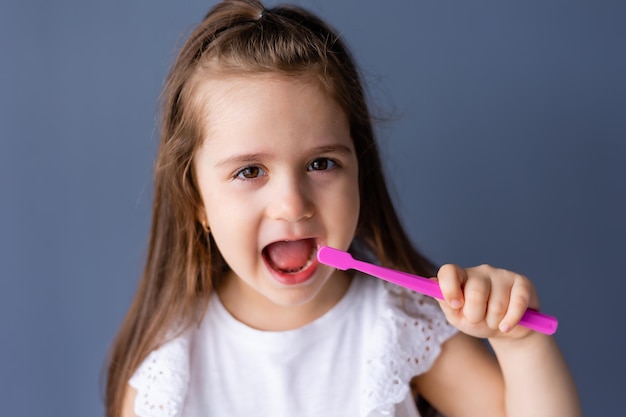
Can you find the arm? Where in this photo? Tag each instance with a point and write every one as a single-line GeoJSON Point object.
{"type": "Point", "coordinates": [465, 380]}
{"type": "Point", "coordinates": [537, 379]}
{"type": "Point", "coordinates": [530, 376]}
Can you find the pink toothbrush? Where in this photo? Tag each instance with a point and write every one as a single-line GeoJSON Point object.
{"type": "Point", "coordinates": [336, 258]}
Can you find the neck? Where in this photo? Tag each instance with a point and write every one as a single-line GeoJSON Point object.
{"type": "Point", "coordinates": [259, 312]}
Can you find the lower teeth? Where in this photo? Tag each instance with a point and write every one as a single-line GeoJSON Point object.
{"type": "Point", "coordinates": [291, 271]}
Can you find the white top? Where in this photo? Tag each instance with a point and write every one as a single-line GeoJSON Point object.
{"type": "Point", "coordinates": [356, 360]}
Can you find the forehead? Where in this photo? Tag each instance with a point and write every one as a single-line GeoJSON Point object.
{"type": "Point", "coordinates": [255, 105]}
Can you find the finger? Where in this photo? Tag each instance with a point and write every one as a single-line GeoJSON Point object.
{"type": "Point", "coordinates": [498, 304]}
{"type": "Point", "coordinates": [451, 279]}
{"type": "Point", "coordinates": [518, 303]}
{"type": "Point", "coordinates": [476, 293]}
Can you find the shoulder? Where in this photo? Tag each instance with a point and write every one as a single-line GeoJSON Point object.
{"type": "Point", "coordinates": [419, 314]}
{"type": "Point", "coordinates": [160, 383]}
{"type": "Point", "coordinates": [414, 320]}
{"type": "Point", "coordinates": [405, 340]}
{"type": "Point", "coordinates": [128, 404]}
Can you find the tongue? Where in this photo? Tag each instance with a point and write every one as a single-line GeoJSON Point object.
{"type": "Point", "coordinates": [290, 256]}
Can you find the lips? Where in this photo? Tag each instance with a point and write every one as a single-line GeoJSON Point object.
{"type": "Point", "coordinates": [291, 261]}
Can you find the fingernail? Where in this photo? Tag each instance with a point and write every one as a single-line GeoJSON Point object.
{"type": "Point", "coordinates": [504, 328]}
{"type": "Point", "coordinates": [455, 303]}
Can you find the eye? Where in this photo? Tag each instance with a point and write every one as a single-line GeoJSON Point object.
{"type": "Point", "coordinates": [250, 173]}
{"type": "Point", "coordinates": [321, 164]}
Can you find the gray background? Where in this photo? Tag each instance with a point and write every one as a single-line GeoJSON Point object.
{"type": "Point", "coordinates": [504, 135]}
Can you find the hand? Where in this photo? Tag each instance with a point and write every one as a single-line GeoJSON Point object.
{"type": "Point", "coordinates": [486, 302]}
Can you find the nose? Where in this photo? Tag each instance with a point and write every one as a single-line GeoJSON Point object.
{"type": "Point", "coordinates": [290, 201]}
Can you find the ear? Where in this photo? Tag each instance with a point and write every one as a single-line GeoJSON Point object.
{"type": "Point", "coordinates": [202, 219]}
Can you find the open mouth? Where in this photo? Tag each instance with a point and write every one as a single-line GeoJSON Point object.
{"type": "Point", "coordinates": [290, 256]}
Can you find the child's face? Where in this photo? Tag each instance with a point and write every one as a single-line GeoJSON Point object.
{"type": "Point", "coordinates": [277, 165]}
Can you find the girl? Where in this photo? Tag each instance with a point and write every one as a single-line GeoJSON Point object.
{"type": "Point", "coordinates": [267, 152]}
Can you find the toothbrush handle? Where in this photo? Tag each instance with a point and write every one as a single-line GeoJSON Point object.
{"type": "Point", "coordinates": [404, 279]}
{"type": "Point", "coordinates": [531, 319]}
{"type": "Point", "coordinates": [540, 322]}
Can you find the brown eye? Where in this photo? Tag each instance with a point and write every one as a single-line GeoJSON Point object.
{"type": "Point", "coordinates": [321, 164]}
{"type": "Point", "coordinates": [250, 173]}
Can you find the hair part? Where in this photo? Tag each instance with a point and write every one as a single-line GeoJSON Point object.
{"type": "Point", "coordinates": [183, 265]}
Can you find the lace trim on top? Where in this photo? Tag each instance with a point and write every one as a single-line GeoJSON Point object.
{"type": "Point", "coordinates": [406, 339]}
{"type": "Point", "coordinates": [162, 380]}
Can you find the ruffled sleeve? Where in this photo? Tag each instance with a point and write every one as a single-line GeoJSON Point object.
{"type": "Point", "coordinates": [162, 380]}
{"type": "Point", "coordinates": [406, 340]}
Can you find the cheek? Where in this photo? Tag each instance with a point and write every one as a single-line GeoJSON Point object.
{"type": "Point", "coordinates": [233, 239]}
{"type": "Point", "coordinates": [227, 221]}
{"type": "Point", "coordinates": [233, 224]}
{"type": "Point", "coordinates": [343, 206]}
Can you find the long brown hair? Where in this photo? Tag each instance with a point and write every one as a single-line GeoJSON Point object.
{"type": "Point", "coordinates": [183, 264]}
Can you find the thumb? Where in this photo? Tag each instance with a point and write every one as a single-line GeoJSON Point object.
{"type": "Point", "coordinates": [451, 279]}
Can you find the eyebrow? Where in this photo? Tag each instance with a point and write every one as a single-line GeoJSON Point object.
{"type": "Point", "coordinates": [241, 159]}
{"type": "Point", "coordinates": [258, 156]}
